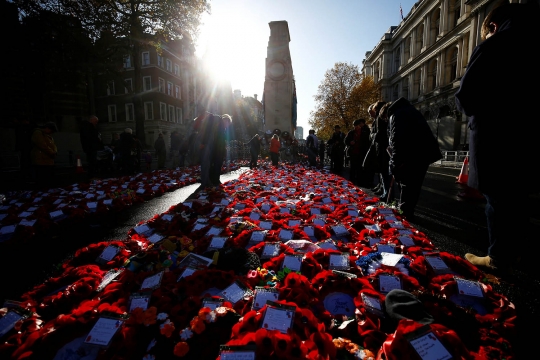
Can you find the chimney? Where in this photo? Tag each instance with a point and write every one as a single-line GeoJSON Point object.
{"type": "Point", "coordinates": [255, 96]}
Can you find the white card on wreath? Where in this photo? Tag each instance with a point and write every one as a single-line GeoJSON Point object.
{"type": "Point", "coordinates": [254, 215]}
{"type": "Point", "coordinates": [469, 287]}
{"type": "Point", "coordinates": [217, 242]}
{"type": "Point", "coordinates": [294, 222]}
{"type": "Point", "coordinates": [152, 282]}
{"type": "Point", "coordinates": [187, 272]}
{"type": "Point", "coordinates": [26, 222]}
{"type": "Point", "coordinates": [374, 227]}
{"type": "Point", "coordinates": [141, 229]}
{"type": "Point", "coordinates": [340, 230]}
{"type": "Point", "coordinates": [406, 240]}
{"type": "Point", "coordinates": [155, 238]}
{"type": "Point", "coordinates": [388, 283]}
{"type": "Point", "coordinates": [266, 225]}
{"type": "Point", "coordinates": [285, 234]}
{"type": "Point", "coordinates": [234, 293]}
{"type": "Point", "coordinates": [429, 347]}
{"type": "Point", "coordinates": [339, 261]}
{"type": "Point", "coordinates": [436, 263]}
{"type": "Point", "coordinates": [262, 295]}
{"type": "Point", "coordinates": [278, 318]}
{"type": "Point", "coordinates": [292, 262]}
{"type": "Point", "coordinates": [139, 301]}
{"type": "Point", "coordinates": [109, 253]}
{"type": "Point", "coordinates": [390, 259]}
{"type": "Point", "coordinates": [309, 230]}
{"type": "Point", "coordinates": [214, 230]}
{"type": "Point", "coordinates": [270, 250]}
{"type": "Point", "coordinates": [8, 321]}
{"type": "Point", "coordinates": [386, 248]}
{"type": "Point", "coordinates": [266, 207]}
{"type": "Point", "coordinates": [103, 331]}
{"type": "Point", "coordinates": [315, 211]}
{"type": "Point", "coordinates": [257, 236]}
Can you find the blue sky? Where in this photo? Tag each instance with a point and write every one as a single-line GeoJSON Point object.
{"type": "Point", "coordinates": [322, 32]}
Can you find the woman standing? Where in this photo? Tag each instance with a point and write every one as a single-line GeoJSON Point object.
{"type": "Point", "coordinates": [43, 154]}
{"type": "Point", "coordinates": [275, 145]}
{"type": "Point", "coordinates": [161, 151]}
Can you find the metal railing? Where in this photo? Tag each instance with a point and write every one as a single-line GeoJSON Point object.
{"type": "Point", "coordinates": [452, 158]}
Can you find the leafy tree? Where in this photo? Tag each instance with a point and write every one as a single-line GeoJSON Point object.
{"type": "Point", "coordinates": [140, 23]}
{"type": "Point", "coordinates": [342, 97]}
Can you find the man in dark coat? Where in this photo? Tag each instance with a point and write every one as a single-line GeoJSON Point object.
{"type": "Point", "coordinates": [91, 143]}
{"type": "Point", "coordinates": [413, 148]}
{"type": "Point", "coordinates": [254, 150]}
{"type": "Point", "coordinates": [337, 150]}
{"type": "Point", "coordinates": [358, 143]}
{"type": "Point", "coordinates": [495, 90]}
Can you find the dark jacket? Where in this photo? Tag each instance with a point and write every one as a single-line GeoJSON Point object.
{"type": "Point", "coordinates": [255, 144]}
{"type": "Point", "coordinates": [90, 140]}
{"type": "Point", "coordinates": [337, 144]}
{"type": "Point", "coordinates": [493, 96]}
{"type": "Point", "coordinates": [159, 145]}
{"type": "Point", "coordinates": [381, 143]}
{"type": "Point", "coordinates": [361, 145]}
{"type": "Point", "coordinates": [412, 141]}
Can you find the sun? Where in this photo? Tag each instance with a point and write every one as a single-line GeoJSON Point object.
{"type": "Point", "coordinates": [231, 51]}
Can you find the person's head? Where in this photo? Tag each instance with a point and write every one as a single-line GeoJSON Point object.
{"type": "Point", "coordinates": [383, 114]}
{"type": "Point", "coordinates": [128, 131]}
{"type": "Point", "coordinates": [375, 108]}
{"type": "Point", "coordinates": [227, 120]}
{"type": "Point", "coordinates": [115, 135]}
{"type": "Point", "coordinates": [312, 132]}
{"type": "Point", "coordinates": [275, 136]}
{"type": "Point", "coordinates": [50, 127]}
{"type": "Point", "coordinates": [160, 135]}
{"type": "Point", "coordinates": [93, 119]}
{"type": "Point", "coordinates": [337, 128]}
{"type": "Point", "coordinates": [358, 123]}
{"type": "Point", "coordinates": [503, 11]}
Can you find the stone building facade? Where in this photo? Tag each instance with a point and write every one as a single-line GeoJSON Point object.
{"type": "Point", "coordinates": [169, 92]}
{"type": "Point", "coordinates": [423, 59]}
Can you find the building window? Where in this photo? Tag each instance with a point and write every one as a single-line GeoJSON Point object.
{"type": "Point", "coordinates": [432, 75]}
{"type": "Point", "coordinates": [176, 69]}
{"type": "Point", "coordinates": [395, 92]}
{"type": "Point", "coordinates": [147, 83]}
{"type": "Point", "coordinates": [127, 61]}
{"type": "Point", "coordinates": [417, 82]}
{"type": "Point", "coordinates": [419, 39]}
{"type": "Point", "coordinates": [405, 88]}
{"type": "Point", "coordinates": [179, 118]}
{"type": "Point", "coordinates": [161, 85]}
{"type": "Point", "coordinates": [171, 113]}
{"type": "Point", "coordinates": [130, 112]}
{"type": "Point", "coordinates": [168, 65]}
{"type": "Point", "coordinates": [110, 88]}
{"type": "Point", "coordinates": [397, 59]}
{"type": "Point", "coordinates": [146, 58]}
{"type": "Point", "coordinates": [169, 88]}
{"type": "Point", "coordinates": [163, 111]}
{"type": "Point", "coordinates": [128, 85]}
{"type": "Point", "coordinates": [435, 26]}
{"type": "Point", "coordinates": [451, 61]}
{"type": "Point", "coordinates": [148, 111]}
{"type": "Point", "coordinates": [177, 92]}
{"type": "Point", "coordinates": [112, 113]}
{"type": "Point", "coordinates": [160, 60]}
{"type": "Point", "coordinates": [456, 13]}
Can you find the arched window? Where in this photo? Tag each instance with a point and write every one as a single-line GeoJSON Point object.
{"type": "Point", "coordinates": [419, 38]}
{"type": "Point", "coordinates": [454, 12]}
{"type": "Point", "coordinates": [416, 84]}
{"type": "Point", "coordinates": [407, 50]}
{"type": "Point", "coordinates": [451, 64]}
{"type": "Point", "coordinates": [432, 75]}
{"type": "Point", "coordinates": [435, 26]}
{"type": "Point", "coordinates": [376, 72]}
{"type": "Point", "coordinates": [397, 59]}
{"type": "Point", "coordinates": [405, 88]}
